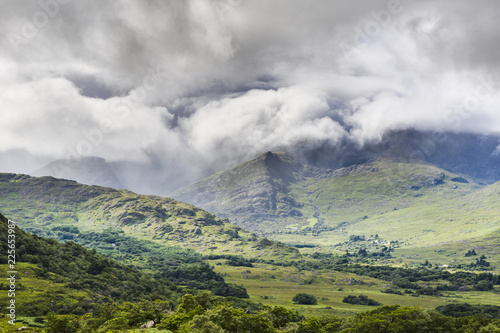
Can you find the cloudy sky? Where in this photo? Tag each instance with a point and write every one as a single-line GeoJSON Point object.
{"type": "Point", "coordinates": [197, 85]}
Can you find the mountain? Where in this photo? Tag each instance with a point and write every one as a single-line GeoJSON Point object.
{"type": "Point", "coordinates": [254, 191]}
{"type": "Point", "coordinates": [42, 204]}
{"type": "Point", "coordinates": [274, 193]}
{"type": "Point", "coordinates": [85, 170]}
{"type": "Point", "coordinates": [477, 156]}
{"type": "Point", "coordinates": [413, 208]}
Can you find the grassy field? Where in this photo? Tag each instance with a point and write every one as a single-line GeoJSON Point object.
{"type": "Point", "coordinates": [30, 288]}
{"type": "Point", "coordinates": [272, 285]}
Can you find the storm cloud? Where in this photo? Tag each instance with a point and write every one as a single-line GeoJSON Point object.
{"type": "Point", "coordinates": [185, 88]}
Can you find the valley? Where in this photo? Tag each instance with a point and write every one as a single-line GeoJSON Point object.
{"type": "Point", "coordinates": [42, 204]}
{"type": "Point", "coordinates": [388, 232]}
{"type": "Point", "coordinates": [250, 166]}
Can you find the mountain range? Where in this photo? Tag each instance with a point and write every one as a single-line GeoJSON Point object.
{"type": "Point", "coordinates": [273, 192]}
{"type": "Point", "coordinates": [382, 216]}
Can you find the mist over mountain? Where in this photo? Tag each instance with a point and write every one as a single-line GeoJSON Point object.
{"type": "Point", "coordinates": [87, 170]}
{"type": "Point", "coordinates": [473, 155]}
{"type": "Point", "coordinates": [388, 200]}
{"type": "Point", "coordinates": [273, 192]}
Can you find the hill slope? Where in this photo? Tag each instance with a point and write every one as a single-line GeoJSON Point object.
{"type": "Point", "coordinates": [67, 278]}
{"type": "Point", "coordinates": [444, 230]}
{"type": "Point", "coordinates": [41, 204]}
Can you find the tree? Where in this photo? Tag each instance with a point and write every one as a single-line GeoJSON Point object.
{"type": "Point", "coordinates": [280, 316]}
{"type": "Point", "coordinates": [201, 324]}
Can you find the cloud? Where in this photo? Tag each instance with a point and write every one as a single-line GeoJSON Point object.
{"type": "Point", "coordinates": [241, 127]}
{"type": "Point", "coordinates": [189, 87]}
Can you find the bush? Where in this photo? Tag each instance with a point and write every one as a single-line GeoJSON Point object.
{"type": "Point", "coordinates": [230, 289]}
{"type": "Point", "coordinates": [465, 310]}
{"type": "Point", "coordinates": [239, 262]}
{"type": "Point", "coordinates": [305, 299]}
{"type": "Point", "coordinates": [361, 300]}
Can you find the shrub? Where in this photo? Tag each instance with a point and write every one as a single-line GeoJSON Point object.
{"type": "Point", "coordinates": [361, 300]}
{"type": "Point", "coordinates": [305, 299]}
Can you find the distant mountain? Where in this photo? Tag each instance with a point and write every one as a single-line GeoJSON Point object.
{"type": "Point", "coordinates": [44, 203]}
{"type": "Point", "coordinates": [85, 170]}
{"type": "Point", "coordinates": [476, 156]}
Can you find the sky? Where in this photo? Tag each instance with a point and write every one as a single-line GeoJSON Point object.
{"type": "Point", "coordinates": [195, 86]}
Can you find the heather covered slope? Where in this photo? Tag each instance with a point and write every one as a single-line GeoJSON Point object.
{"type": "Point", "coordinates": [67, 278]}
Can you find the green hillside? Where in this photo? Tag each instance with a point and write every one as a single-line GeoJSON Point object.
{"type": "Point", "coordinates": [41, 204]}
{"type": "Point", "coordinates": [66, 278]}
{"type": "Point", "coordinates": [63, 287]}
{"type": "Point", "coordinates": [443, 230]}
